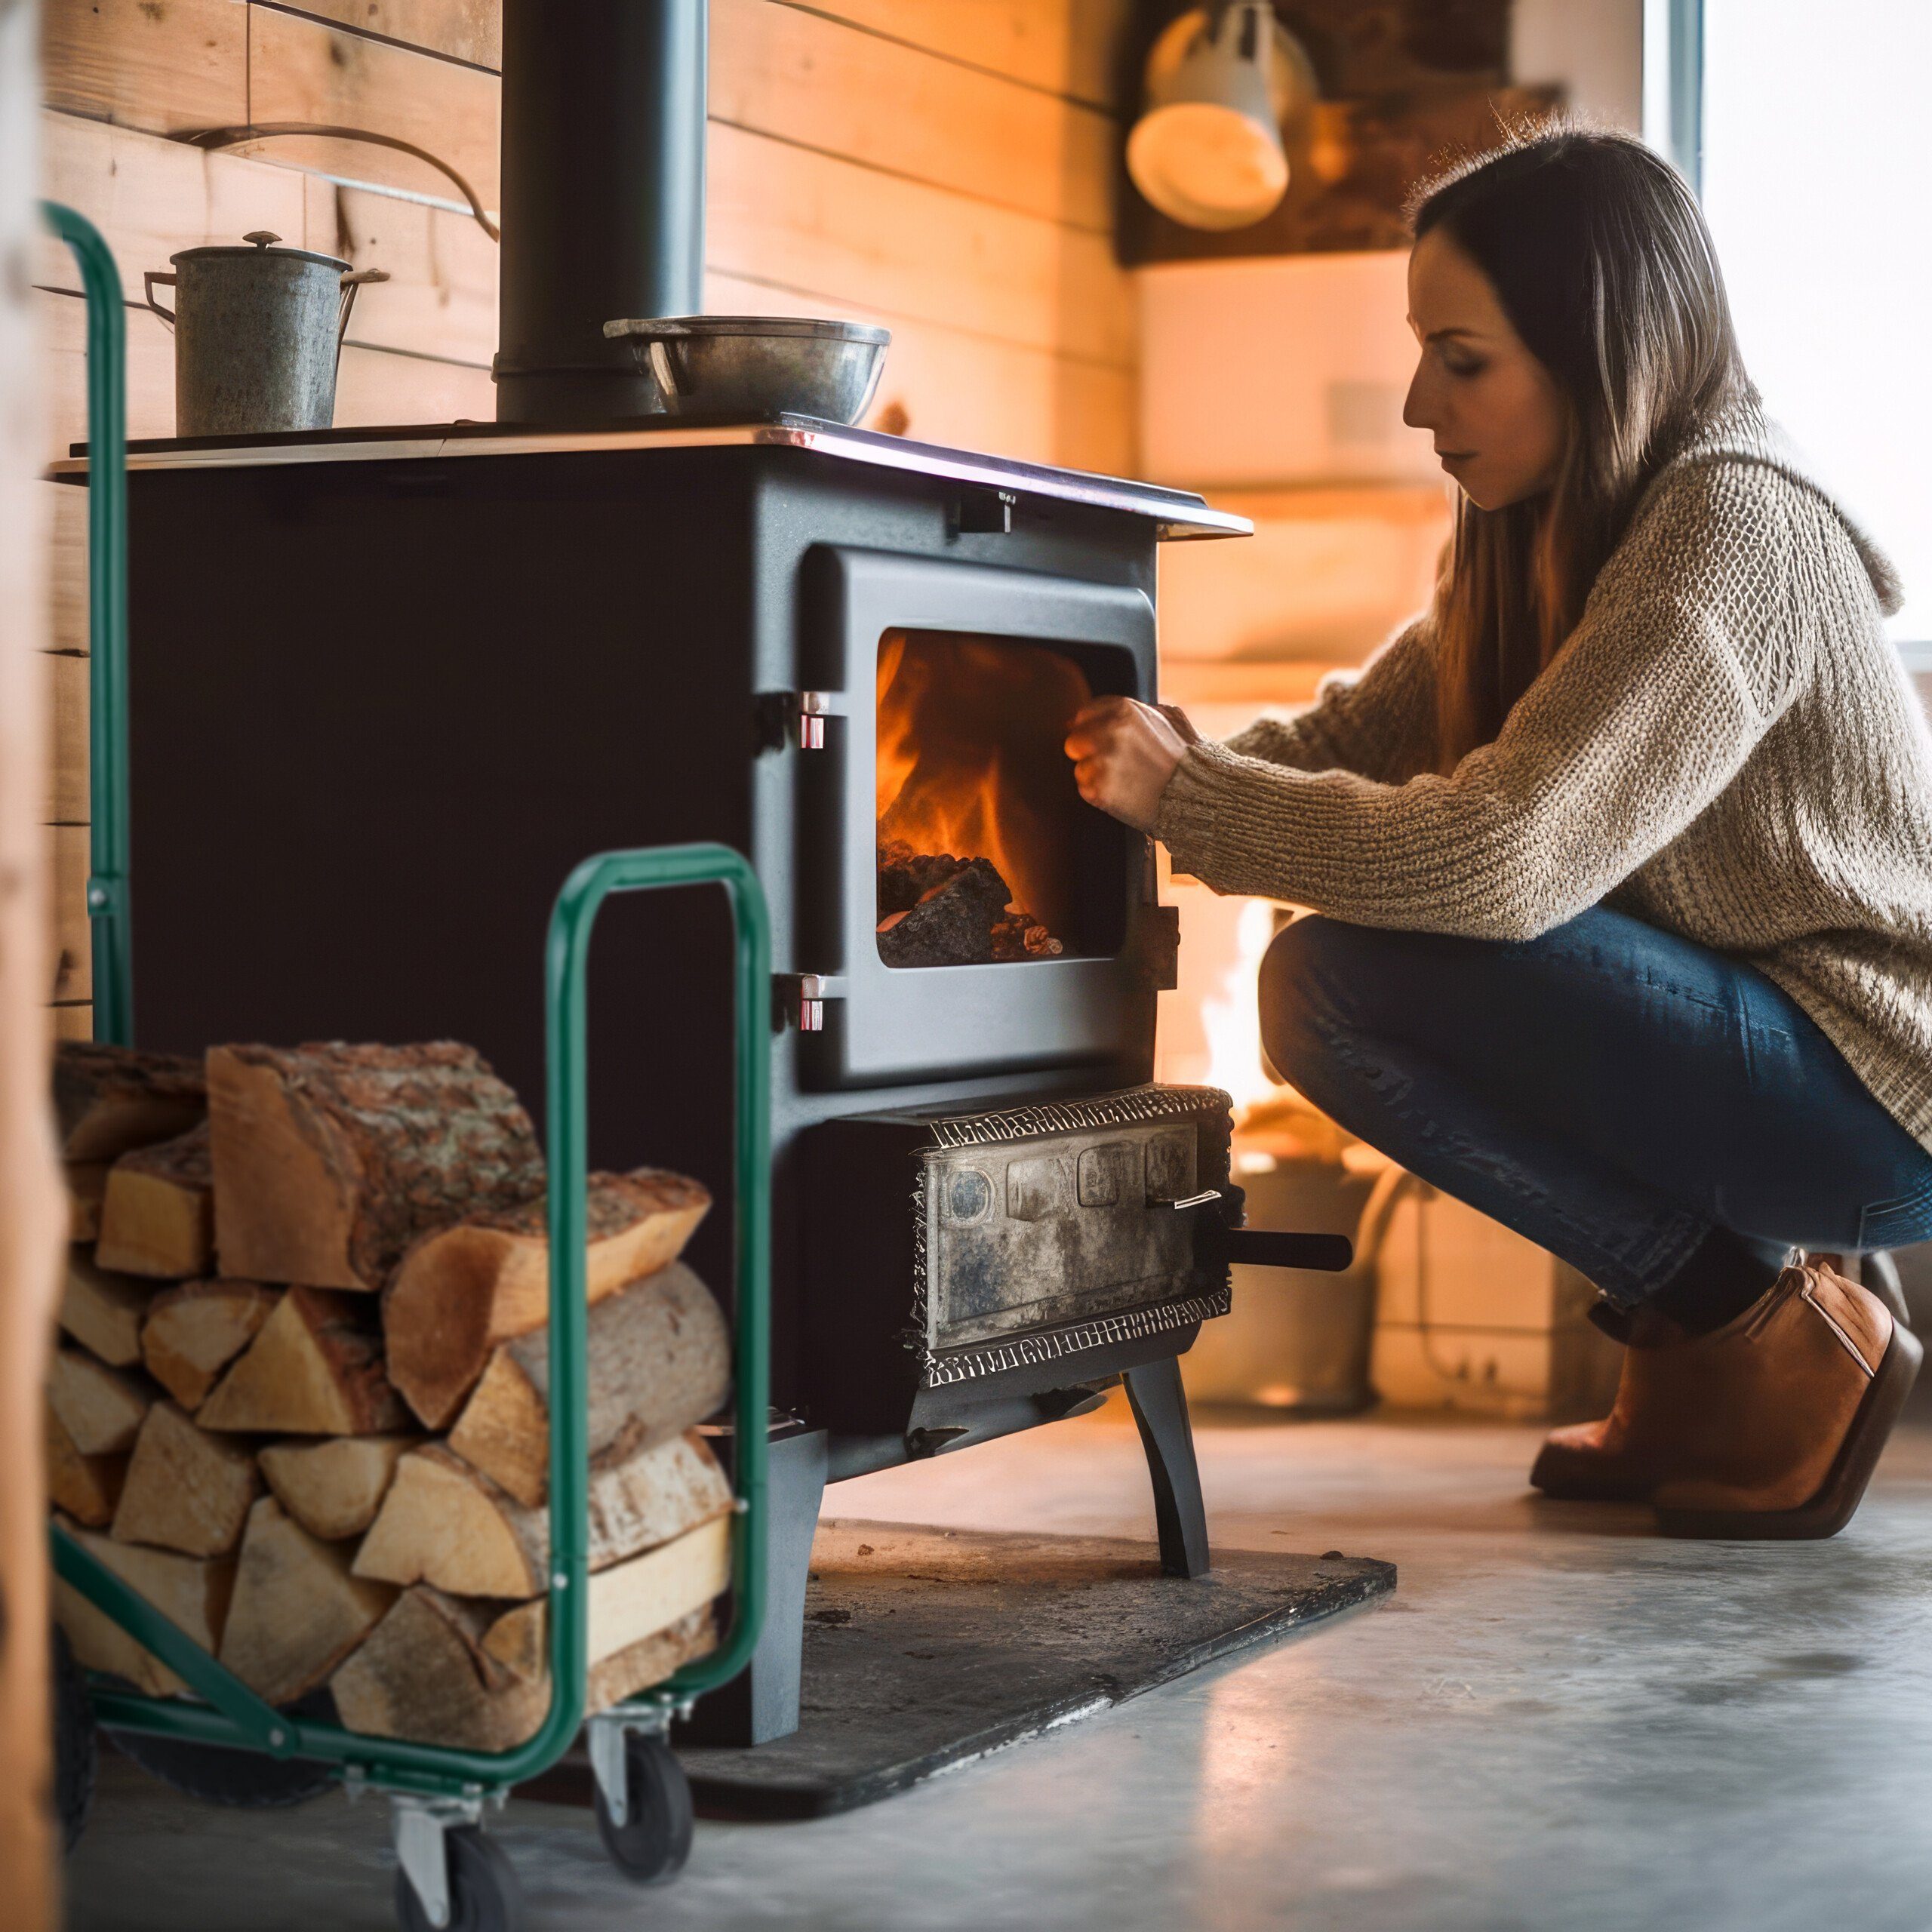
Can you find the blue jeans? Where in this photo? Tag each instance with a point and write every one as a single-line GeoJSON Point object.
{"type": "Point", "coordinates": [1613, 1092]}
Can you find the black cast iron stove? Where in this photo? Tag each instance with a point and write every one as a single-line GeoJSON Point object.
{"type": "Point", "coordinates": [387, 688]}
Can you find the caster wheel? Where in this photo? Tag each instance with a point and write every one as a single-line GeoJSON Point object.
{"type": "Point", "coordinates": [219, 1774]}
{"type": "Point", "coordinates": [652, 1844]}
{"type": "Point", "coordinates": [485, 1895]}
{"type": "Point", "coordinates": [76, 1748]}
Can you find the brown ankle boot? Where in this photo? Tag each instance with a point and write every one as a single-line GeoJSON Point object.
{"type": "Point", "coordinates": [1796, 1399]}
{"type": "Point", "coordinates": [1622, 1458]}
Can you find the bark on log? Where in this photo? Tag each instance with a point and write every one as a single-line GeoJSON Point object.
{"type": "Point", "coordinates": [462, 1290]}
{"type": "Point", "coordinates": [158, 1216]}
{"type": "Point", "coordinates": [330, 1160]}
{"type": "Point", "coordinates": [186, 1490]}
{"type": "Point", "coordinates": [101, 1408]}
{"type": "Point", "coordinates": [448, 1525]}
{"type": "Point", "coordinates": [296, 1611]}
{"type": "Point", "coordinates": [658, 1358]}
{"type": "Point", "coordinates": [193, 1332]}
{"type": "Point", "coordinates": [104, 1311]}
{"type": "Point", "coordinates": [315, 1369]}
{"type": "Point", "coordinates": [192, 1592]}
{"type": "Point", "coordinates": [628, 1602]}
{"type": "Point", "coordinates": [109, 1100]}
{"type": "Point", "coordinates": [85, 1488]}
{"type": "Point", "coordinates": [422, 1673]}
{"type": "Point", "coordinates": [334, 1488]}
{"type": "Point", "coordinates": [86, 1187]}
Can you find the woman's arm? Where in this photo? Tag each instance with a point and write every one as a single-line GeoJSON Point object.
{"type": "Point", "coordinates": [1684, 659]}
{"type": "Point", "coordinates": [1380, 721]}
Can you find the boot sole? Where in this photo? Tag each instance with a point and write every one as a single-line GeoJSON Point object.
{"type": "Point", "coordinates": [1843, 1489]}
{"type": "Point", "coordinates": [1547, 1475]}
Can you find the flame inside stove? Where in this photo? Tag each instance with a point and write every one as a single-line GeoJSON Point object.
{"type": "Point", "coordinates": [971, 731]}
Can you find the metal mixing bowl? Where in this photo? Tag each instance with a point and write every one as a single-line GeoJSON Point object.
{"type": "Point", "coordinates": [752, 368]}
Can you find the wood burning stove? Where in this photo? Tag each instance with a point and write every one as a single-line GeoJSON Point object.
{"type": "Point", "coordinates": [354, 802]}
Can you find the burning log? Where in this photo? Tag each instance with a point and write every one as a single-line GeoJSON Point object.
{"type": "Point", "coordinates": [938, 910]}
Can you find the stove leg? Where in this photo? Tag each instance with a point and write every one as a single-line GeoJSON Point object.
{"type": "Point", "coordinates": [1160, 1406]}
{"type": "Point", "coordinates": [762, 1703]}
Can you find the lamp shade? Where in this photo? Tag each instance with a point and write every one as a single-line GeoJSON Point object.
{"type": "Point", "coordinates": [1207, 151]}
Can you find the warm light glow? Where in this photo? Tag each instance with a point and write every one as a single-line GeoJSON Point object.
{"type": "Point", "coordinates": [1231, 1018]}
{"type": "Point", "coordinates": [970, 759]}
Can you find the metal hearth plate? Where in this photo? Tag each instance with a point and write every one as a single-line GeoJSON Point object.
{"type": "Point", "coordinates": [925, 1648]}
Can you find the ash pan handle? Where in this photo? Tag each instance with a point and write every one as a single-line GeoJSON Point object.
{"type": "Point", "coordinates": [1264, 1248]}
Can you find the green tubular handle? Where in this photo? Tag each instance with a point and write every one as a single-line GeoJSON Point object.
{"type": "Point", "coordinates": [231, 1713]}
{"type": "Point", "coordinates": [107, 622]}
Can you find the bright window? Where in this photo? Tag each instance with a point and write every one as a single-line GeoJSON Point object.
{"type": "Point", "coordinates": [1814, 183]}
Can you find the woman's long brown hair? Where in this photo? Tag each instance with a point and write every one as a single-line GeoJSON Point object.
{"type": "Point", "coordinates": [1600, 256]}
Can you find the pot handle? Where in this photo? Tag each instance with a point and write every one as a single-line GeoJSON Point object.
{"type": "Point", "coordinates": [350, 284]}
{"type": "Point", "coordinates": [153, 279]}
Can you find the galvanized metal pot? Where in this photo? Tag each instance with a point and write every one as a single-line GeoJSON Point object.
{"type": "Point", "coordinates": [258, 335]}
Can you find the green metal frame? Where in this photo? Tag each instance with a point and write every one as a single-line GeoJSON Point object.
{"type": "Point", "coordinates": [230, 1713]}
{"type": "Point", "coordinates": [107, 620]}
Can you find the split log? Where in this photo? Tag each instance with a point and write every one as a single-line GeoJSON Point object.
{"type": "Point", "coordinates": [192, 1592]}
{"type": "Point", "coordinates": [297, 1612]}
{"type": "Point", "coordinates": [186, 1490]}
{"type": "Point", "coordinates": [158, 1216]}
{"type": "Point", "coordinates": [193, 1332]}
{"type": "Point", "coordinates": [87, 1186]}
{"type": "Point", "coordinates": [422, 1673]}
{"type": "Point", "coordinates": [85, 1488]}
{"type": "Point", "coordinates": [330, 1160]}
{"type": "Point", "coordinates": [445, 1524]}
{"type": "Point", "coordinates": [334, 1488]}
{"type": "Point", "coordinates": [315, 1369]}
{"type": "Point", "coordinates": [627, 1603]}
{"type": "Point", "coordinates": [658, 1358]}
{"type": "Point", "coordinates": [104, 1311]}
{"type": "Point", "coordinates": [109, 1100]}
{"type": "Point", "coordinates": [462, 1290]}
{"type": "Point", "coordinates": [101, 1408]}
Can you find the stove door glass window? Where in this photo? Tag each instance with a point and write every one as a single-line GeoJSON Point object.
{"type": "Point", "coordinates": [986, 852]}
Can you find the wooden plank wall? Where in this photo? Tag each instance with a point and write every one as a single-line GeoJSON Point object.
{"type": "Point", "coordinates": [944, 167]}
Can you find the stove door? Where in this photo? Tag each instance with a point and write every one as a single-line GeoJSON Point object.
{"type": "Point", "coordinates": [951, 685]}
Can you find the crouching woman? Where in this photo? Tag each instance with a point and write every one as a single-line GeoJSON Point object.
{"type": "Point", "coordinates": [1620, 858]}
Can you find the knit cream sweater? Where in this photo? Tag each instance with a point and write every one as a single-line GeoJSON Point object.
{"type": "Point", "coordinates": [1726, 746]}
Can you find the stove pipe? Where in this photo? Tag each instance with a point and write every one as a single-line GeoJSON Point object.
{"type": "Point", "coordinates": [603, 198]}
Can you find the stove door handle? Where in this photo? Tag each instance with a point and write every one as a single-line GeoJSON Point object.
{"type": "Point", "coordinates": [1267, 1247]}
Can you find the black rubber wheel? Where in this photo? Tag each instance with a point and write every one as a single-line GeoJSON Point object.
{"type": "Point", "coordinates": [651, 1844]}
{"type": "Point", "coordinates": [485, 1895]}
{"type": "Point", "coordinates": [243, 1780]}
{"type": "Point", "coordinates": [76, 1748]}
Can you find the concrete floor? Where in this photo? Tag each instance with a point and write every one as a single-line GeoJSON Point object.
{"type": "Point", "coordinates": [1558, 1721]}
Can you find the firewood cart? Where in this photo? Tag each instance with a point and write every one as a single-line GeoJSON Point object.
{"type": "Point", "coordinates": [226, 1743]}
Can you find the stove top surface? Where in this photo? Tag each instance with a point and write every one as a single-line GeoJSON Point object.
{"type": "Point", "coordinates": [1176, 513]}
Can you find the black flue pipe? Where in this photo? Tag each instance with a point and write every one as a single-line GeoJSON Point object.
{"type": "Point", "coordinates": [603, 198]}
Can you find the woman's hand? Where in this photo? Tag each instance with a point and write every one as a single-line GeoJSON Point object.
{"type": "Point", "coordinates": [1124, 754]}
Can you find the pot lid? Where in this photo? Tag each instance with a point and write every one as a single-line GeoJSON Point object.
{"type": "Point", "coordinates": [260, 243]}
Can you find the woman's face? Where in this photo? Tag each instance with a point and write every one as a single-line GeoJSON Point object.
{"type": "Point", "coordinates": [1495, 412]}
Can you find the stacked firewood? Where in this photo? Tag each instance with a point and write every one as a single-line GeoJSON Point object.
{"type": "Point", "coordinates": [300, 1402]}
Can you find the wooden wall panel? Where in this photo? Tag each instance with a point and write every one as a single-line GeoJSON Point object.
{"type": "Point", "coordinates": [468, 30]}
{"type": "Point", "coordinates": [66, 799]}
{"type": "Point", "coordinates": [72, 976]}
{"type": "Point", "coordinates": [178, 64]}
